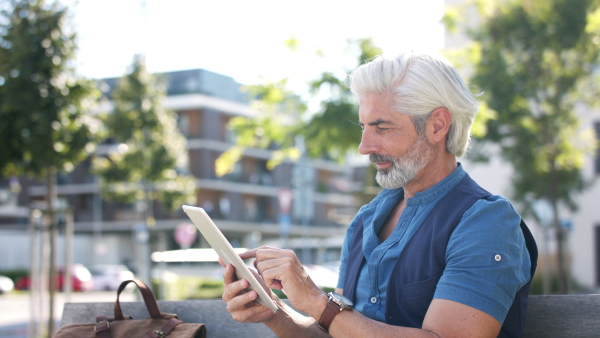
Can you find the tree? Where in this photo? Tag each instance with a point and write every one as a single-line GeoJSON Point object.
{"type": "Point", "coordinates": [271, 129]}
{"type": "Point", "coordinates": [329, 133]}
{"type": "Point", "coordinates": [333, 131]}
{"type": "Point", "coordinates": [45, 127]}
{"type": "Point", "coordinates": [533, 60]}
{"type": "Point", "coordinates": [150, 164]}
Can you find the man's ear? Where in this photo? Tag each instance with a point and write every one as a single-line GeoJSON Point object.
{"type": "Point", "coordinates": [439, 125]}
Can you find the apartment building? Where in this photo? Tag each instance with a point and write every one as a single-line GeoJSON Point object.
{"type": "Point", "coordinates": [244, 204]}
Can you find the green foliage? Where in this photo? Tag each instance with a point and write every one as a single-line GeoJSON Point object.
{"type": "Point", "coordinates": [536, 62]}
{"type": "Point", "coordinates": [273, 126]}
{"type": "Point", "coordinates": [533, 59]}
{"type": "Point", "coordinates": [189, 287]}
{"type": "Point", "coordinates": [207, 289]}
{"type": "Point", "coordinates": [198, 287]}
{"type": "Point", "coordinates": [329, 133]}
{"type": "Point", "coordinates": [537, 285]}
{"type": "Point", "coordinates": [451, 19]}
{"type": "Point", "coordinates": [279, 112]}
{"type": "Point", "coordinates": [43, 106]}
{"type": "Point", "coordinates": [334, 131]}
{"type": "Point", "coordinates": [15, 274]}
{"type": "Point", "coordinates": [151, 155]}
{"type": "Point", "coordinates": [282, 295]}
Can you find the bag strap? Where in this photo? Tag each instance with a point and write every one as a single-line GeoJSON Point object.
{"type": "Point", "coordinates": [102, 327]}
{"type": "Point", "coordinates": [165, 330]}
{"type": "Point", "coordinates": [148, 296]}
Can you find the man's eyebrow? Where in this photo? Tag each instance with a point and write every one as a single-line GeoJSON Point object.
{"type": "Point", "coordinates": [376, 122]}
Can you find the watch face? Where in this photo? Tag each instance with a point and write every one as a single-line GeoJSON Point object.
{"type": "Point", "coordinates": [342, 301]}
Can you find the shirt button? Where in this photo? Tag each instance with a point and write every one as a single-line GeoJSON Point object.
{"type": "Point", "coordinates": [498, 258]}
{"type": "Point", "coordinates": [373, 300]}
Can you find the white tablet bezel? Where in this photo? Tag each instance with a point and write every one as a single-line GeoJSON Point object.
{"type": "Point", "coordinates": [223, 248]}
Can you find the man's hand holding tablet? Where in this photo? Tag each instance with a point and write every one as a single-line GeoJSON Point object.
{"type": "Point", "coordinates": [227, 255]}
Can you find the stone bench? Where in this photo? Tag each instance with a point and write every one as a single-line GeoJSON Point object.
{"type": "Point", "coordinates": [548, 316]}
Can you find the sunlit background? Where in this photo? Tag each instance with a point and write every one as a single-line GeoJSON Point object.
{"type": "Point", "coordinates": [211, 52]}
{"type": "Point", "coordinates": [247, 40]}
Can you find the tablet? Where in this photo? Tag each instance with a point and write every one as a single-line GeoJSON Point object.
{"type": "Point", "coordinates": [219, 243]}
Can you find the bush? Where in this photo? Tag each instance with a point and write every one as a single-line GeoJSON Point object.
{"type": "Point", "coordinates": [537, 285]}
{"type": "Point", "coordinates": [207, 289]}
{"type": "Point", "coordinates": [15, 274]}
{"type": "Point", "coordinates": [281, 295]}
{"type": "Point", "coordinates": [192, 287]}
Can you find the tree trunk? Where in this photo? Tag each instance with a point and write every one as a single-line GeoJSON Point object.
{"type": "Point", "coordinates": [561, 273]}
{"type": "Point", "coordinates": [560, 251]}
{"type": "Point", "coordinates": [51, 197]}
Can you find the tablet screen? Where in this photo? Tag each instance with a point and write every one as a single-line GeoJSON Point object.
{"type": "Point", "coordinates": [219, 243]}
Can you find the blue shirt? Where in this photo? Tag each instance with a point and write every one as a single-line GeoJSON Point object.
{"type": "Point", "coordinates": [470, 277]}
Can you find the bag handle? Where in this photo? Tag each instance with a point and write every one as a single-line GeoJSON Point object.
{"type": "Point", "coordinates": [147, 294]}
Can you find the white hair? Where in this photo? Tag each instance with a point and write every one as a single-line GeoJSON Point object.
{"type": "Point", "coordinates": [420, 83]}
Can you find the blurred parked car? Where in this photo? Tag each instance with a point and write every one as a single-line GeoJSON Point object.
{"type": "Point", "coordinates": [109, 277]}
{"type": "Point", "coordinates": [81, 279]}
{"type": "Point", "coordinates": [6, 284]}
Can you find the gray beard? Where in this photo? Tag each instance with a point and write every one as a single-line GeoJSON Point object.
{"type": "Point", "coordinates": [404, 168]}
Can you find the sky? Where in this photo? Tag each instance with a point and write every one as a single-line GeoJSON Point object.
{"type": "Point", "coordinates": [245, 39]}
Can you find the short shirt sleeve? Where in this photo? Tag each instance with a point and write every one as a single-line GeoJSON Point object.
{"type": "Point", "coordinates": [487, 260]}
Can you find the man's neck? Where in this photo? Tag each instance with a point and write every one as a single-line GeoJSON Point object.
{"type": "Point", "coordinates": [434, 172]}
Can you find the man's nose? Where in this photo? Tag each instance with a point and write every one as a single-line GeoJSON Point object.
{"type": "Point", "coordinates": [367, 145]}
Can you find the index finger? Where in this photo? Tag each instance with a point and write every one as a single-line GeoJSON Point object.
{"type": "Point", "coordinates": [249, 253]}
{"type": "Point", "coordinates": [272, 252]}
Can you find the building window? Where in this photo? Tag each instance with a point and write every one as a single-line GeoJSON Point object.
{"type": "Point", "coordinates": [183, 122]}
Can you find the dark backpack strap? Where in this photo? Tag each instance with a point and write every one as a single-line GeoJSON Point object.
{"type": "Point", "coordinates": [102, 327]}
{"type": "Point", "coordinates": [165, 330]}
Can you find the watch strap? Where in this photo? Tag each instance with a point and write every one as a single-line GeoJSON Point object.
{"type": "Point", "coordinates": [331, 310]}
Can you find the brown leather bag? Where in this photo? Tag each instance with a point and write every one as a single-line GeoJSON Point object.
{"type": "Point", "coordinates": [158, 325]}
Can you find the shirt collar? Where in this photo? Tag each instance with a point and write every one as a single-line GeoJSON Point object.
{"type": "Point", "coordinates": [439, 189]}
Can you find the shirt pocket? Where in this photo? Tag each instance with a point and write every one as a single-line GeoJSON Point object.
{"type": "Point", "coordinates": [417, 296]}
{"type": "Point", "coordinates": [420, 288]}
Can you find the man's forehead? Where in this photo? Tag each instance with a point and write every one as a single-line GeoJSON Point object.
{"type": "Point", "coordinates": [375, 99]}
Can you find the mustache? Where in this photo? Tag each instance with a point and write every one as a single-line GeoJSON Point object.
{"type": "Point", "coordinates": [381, 158]}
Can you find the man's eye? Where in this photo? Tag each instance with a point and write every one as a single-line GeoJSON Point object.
{"type": "Point", "coordinates": [382, 129]}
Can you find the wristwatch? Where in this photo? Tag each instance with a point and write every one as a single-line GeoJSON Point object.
{"type": "Point", "coordinates": [335, 304]}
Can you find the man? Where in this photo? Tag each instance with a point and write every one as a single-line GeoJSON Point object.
{"type": "Point", "coordinates": [433, 254]}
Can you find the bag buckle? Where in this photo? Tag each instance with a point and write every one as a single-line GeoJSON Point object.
{"type": "Point", "coordinates": [159, 333]}
{"type": "Point", "coordinates": [104, 322]}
